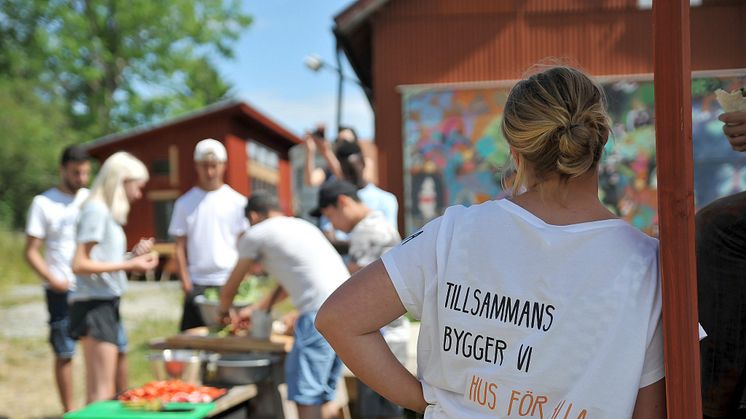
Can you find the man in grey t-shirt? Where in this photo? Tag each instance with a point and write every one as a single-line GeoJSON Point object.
{"type": "Point", "coordinates": [308, 269]}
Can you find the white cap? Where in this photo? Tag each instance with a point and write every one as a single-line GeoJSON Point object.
{"type": "Point", "coordinates": [209, 149]}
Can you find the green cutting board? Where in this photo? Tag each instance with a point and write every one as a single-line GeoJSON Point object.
{"type": "Point", "coordinates": [113, 409]}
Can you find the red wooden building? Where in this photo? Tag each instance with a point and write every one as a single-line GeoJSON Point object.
{"type": "Point", "coordinates": [392, 43]}
{"type": "Point", "coordinates": [257, 159]}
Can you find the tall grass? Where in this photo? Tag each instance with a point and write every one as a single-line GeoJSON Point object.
{"type": "Point", "coordinates": [13, 267]}
{"type": "Point", "coordinates": [139, 338]}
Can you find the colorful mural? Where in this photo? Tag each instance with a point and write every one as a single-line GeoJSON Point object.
{"type": "Point", "coordinates": [454, 152]}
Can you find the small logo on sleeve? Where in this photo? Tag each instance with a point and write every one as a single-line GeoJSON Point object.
{"type": "Point", "coordinates": [407, 240]}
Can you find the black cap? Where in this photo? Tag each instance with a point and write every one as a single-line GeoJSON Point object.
{"type": "Point", "coordinates": [344, 149]}
{"type": "Point", "coordinates": [330, 191]}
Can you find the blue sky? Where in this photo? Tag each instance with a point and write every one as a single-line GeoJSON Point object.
{"type": "Point", "coordinates": [269, 73]}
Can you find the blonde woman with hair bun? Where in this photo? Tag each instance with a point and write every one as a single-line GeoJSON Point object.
{"type": "Point", "coordinates": [543, 304]}
{"type": "Point", "coordinates": [100, 265]}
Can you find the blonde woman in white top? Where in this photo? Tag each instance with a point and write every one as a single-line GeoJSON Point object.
{"type": "Point", "coordinates": [100, 265]}
{"type": "Point", "coordinates": [541, 305]}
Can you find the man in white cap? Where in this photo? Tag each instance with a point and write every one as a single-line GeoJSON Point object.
{"type": "Point", "coordinates": [207, 222]}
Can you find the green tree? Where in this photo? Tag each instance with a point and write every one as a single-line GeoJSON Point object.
{"type": "Point", "coordinates": [73, 70]}
{"type": "Point", "coordinates": [119, 63]}
{"type": "Point", "coordinates": [34, 131]}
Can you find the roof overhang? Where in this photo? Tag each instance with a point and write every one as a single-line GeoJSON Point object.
{"type": "Point", "coordinates": [354, 34]}
{"type": "Point", "coordinates": [228, 108]}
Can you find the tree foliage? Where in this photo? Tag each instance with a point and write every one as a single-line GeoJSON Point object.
{"type": "Point", "coordinates": [121, 62]}
{"type": "Point", "coordinates": [74, 70]}
{"type": "Point", "coordinates": [34, 131]}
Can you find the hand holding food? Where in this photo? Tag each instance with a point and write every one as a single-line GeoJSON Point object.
{"type": "Point", "coordinates": [242, 319]}
{"type": "Point", "coordinates": [143, 263]}
{"type": "Point", "coordinates": [733, 101]}
{"type": "Point", "coordinates": [143, 246]}
{"type": "Point", "coordinates": [734, 104]}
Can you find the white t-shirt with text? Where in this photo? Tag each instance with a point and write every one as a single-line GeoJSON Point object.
{"type": "Point", "coordinates": [298, 255]}
{"type": "Point", "coordinates": [52, 217]}
{"type": "Point", "coordinates": [521, 318]}
{"type": "Point", "coordinates": [212, 222]}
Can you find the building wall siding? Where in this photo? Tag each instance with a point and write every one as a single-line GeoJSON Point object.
{"type": "Point", "coordinates": [450, 41]}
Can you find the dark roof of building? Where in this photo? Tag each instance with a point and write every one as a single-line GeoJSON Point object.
{"type": "Point", "coordinates": [354, 36]}
{"type": "Point", "coordinates": [227, 108]}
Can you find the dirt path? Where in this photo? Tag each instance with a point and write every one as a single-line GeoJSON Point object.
{"type": "Point", "coordinates": [27, 387]}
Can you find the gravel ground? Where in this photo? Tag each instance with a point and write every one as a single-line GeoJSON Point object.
{"type": "Point", "coordinates": [26, 383]}
{"type": "Point", "coordinates": [27, 387]}
{"type": "Point", "coordinates": [28, 318]}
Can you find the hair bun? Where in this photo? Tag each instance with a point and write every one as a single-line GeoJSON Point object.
{"type": "Point", "coordinates": [557, 123]}
{"type": "Point", "coordinates": [578, 149]}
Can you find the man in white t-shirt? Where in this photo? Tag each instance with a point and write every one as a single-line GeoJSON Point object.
{"type": "Point", "coordinates": [297, 254]}
{"type": "Point", "coordinates": [371, 235]}
{"type": "Point", "coordinates": [51, 226]}
{"type": "Point", "coordinates": [206, 223]}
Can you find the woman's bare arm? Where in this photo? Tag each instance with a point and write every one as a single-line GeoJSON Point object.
{"type": "Point", "coordinates": [350, 320]}
{"type": "Point", "coordinates": [651, 401]}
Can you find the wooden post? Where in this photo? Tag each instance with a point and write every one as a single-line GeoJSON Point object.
{"type": "Point", "coordinates": [673, 125]}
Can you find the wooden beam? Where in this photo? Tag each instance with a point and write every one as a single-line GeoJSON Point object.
{"type": "Point", "coordinates": [673, 125]}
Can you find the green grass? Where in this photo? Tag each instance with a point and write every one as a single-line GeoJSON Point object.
{"type": "Point", "coordinates": [13, 301]}
{"type": "Point", "coordinates": [13, 267]}
{"type": "Point", "coordinates": [144, 332]}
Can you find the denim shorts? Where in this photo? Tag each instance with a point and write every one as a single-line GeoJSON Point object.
{"type": "Point", "coordinates": [312, 369]}
{"type": "Point", "coordinates": [62, 344]}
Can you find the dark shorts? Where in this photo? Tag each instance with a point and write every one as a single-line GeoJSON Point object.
{"type": "Point", "coordinates": [62, 344]}
{"type": "Point", "coordinates": [373, 405]}
{"type": "Point", "coordinates": [98, 319]}
{"type": "Point", "coordinates": [191, 316]}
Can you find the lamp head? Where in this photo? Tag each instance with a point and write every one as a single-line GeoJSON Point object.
{"type": "Point", "coordinates": [314, 62]}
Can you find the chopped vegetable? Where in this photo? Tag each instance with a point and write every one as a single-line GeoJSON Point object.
{"type": "Point", "coordinates": [151, 395]}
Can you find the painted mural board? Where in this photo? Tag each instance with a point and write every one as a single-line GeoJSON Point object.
{"type": "Point", "coordinates": [454, 152]}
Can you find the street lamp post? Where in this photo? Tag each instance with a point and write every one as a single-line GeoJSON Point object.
{"type": "Point", "coordinates": [315, 63]}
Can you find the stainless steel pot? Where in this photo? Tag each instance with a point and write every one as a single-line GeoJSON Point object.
{"type": "Point", "coordinates": [182, 364]}
{"type": "Point", "coordinates": [238, 369]}
{"type": "Point", "coordinates": [209, 310]}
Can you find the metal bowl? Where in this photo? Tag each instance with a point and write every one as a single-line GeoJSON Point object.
{"type": "Point", "coordinates": [181, 364]}
{"type": "Point", "coordinates": [209, 310]}
{"type": "Point", "coordinates": [238, 369]}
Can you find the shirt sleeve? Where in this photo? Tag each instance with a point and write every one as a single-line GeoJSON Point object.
{"type": "Point", "coordinates": [36, 225]}
{"type": "Point", "coordinates": [249, 245]}
{"type": "Point", "coordinates": [364, 248]}
{"type": "Point", "coordinates": [91, 224]}
{"type": "Point", "coordinates": [412, 265]}
{"type": "Point", "coordinates": [178, 225]}
{"type": "Point", "coordinates": [362, 258]}
{"type": "Point", "coordinates": [392, 212]}
{"type": "Point", "coordinates": [653, 368]}
{"type": "Point", "coordinates": [240, 223]}
{"type": "Point", "coordinates": [325, 224]}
